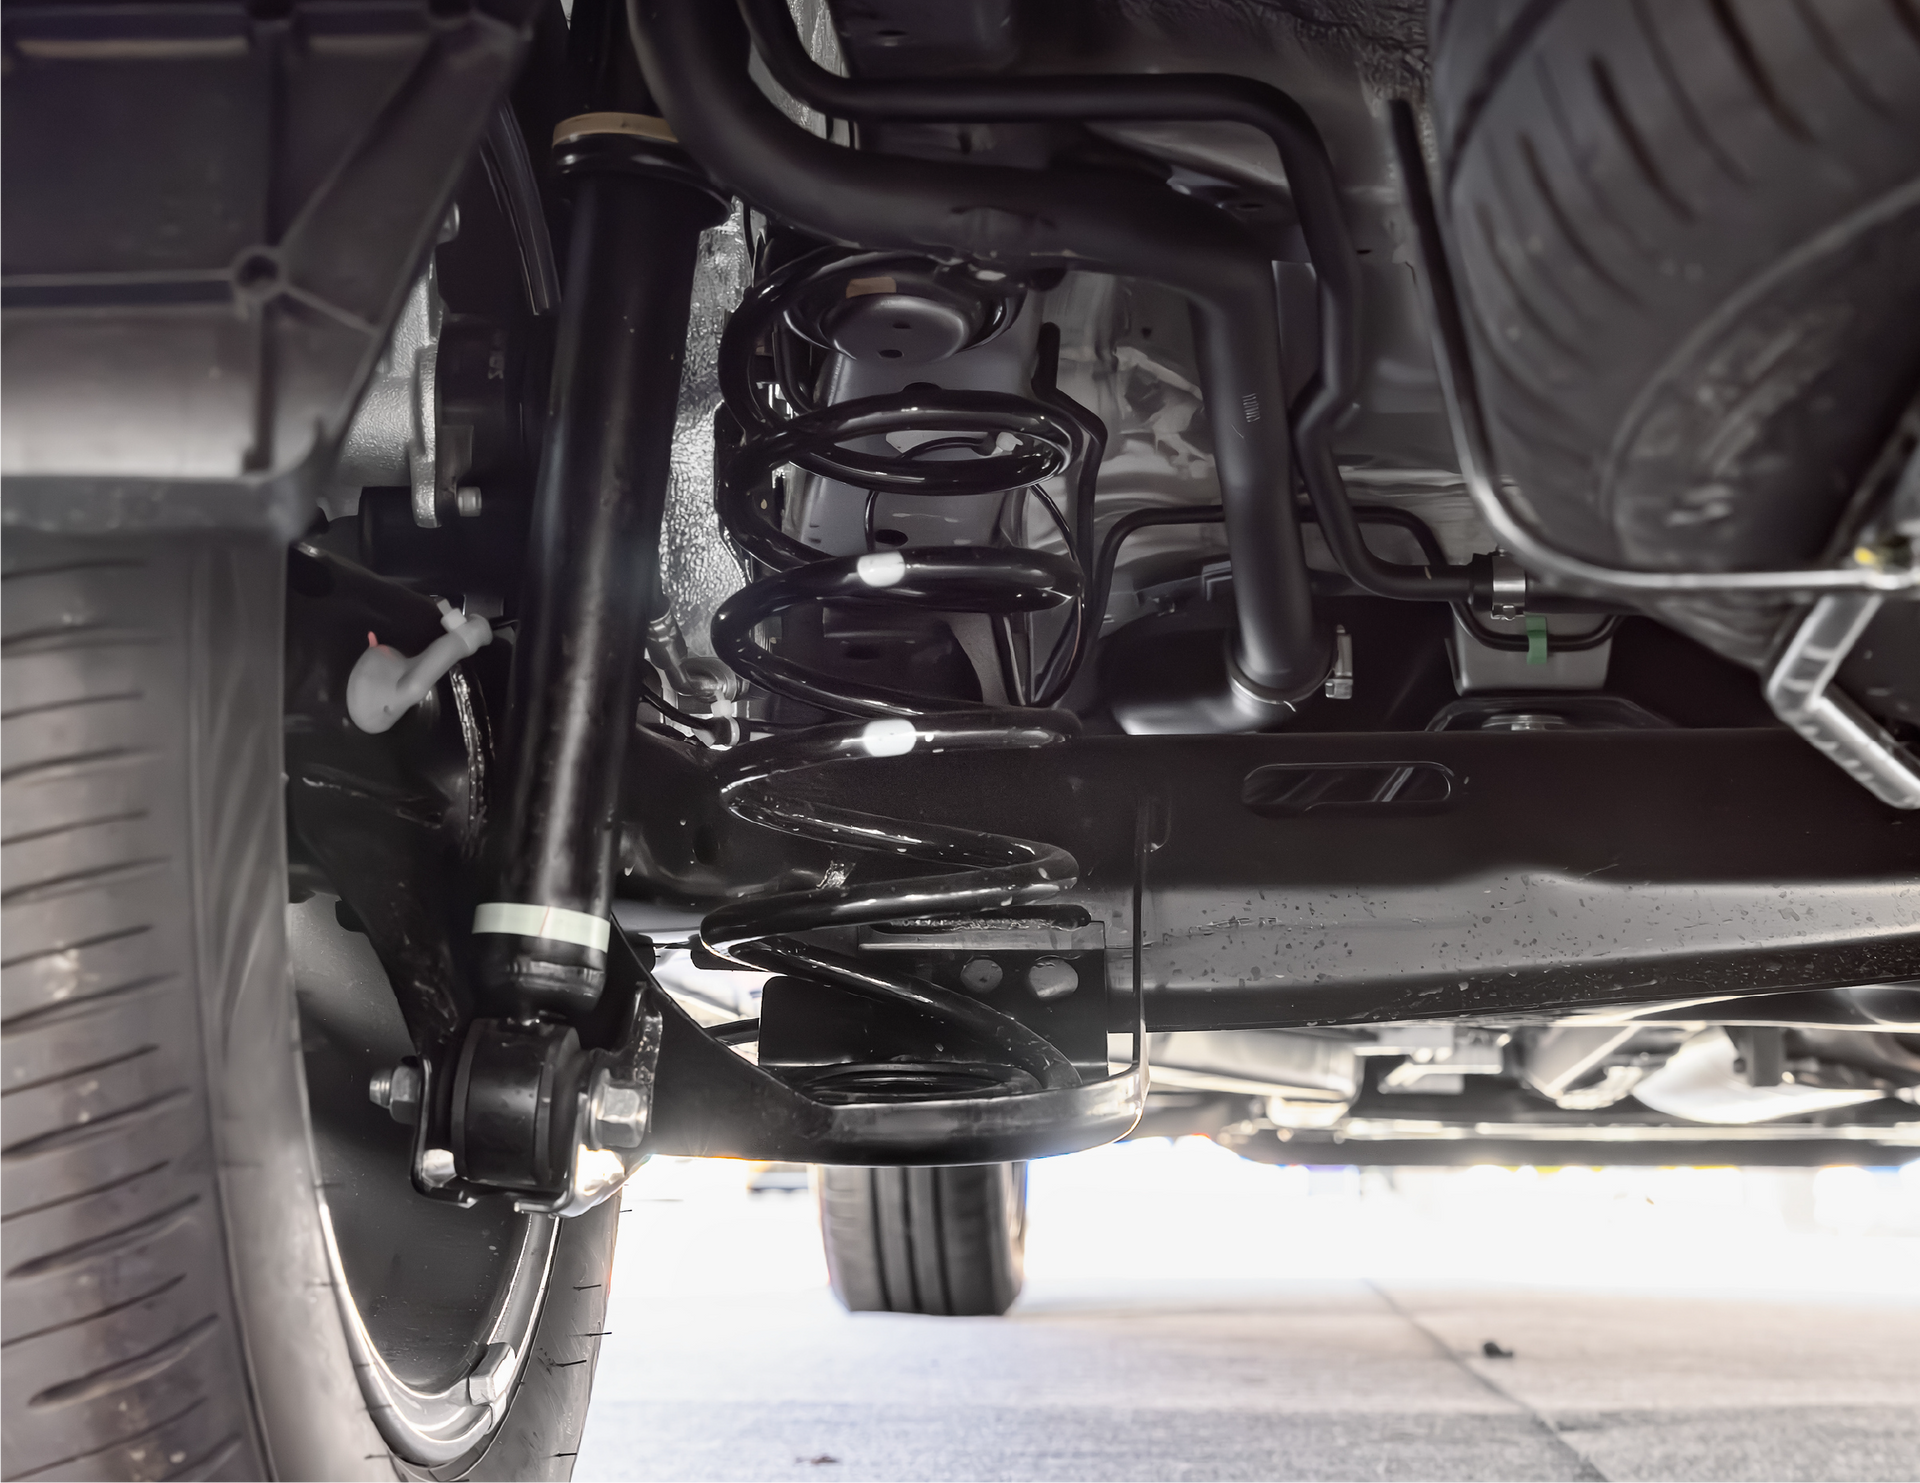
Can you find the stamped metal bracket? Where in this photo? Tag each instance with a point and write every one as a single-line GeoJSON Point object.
{"type": "Point", "coordinates": [1802, 693]}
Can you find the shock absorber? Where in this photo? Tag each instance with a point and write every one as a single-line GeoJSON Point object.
{"type": "Point", "coordinates": [545, 1095]}
{"type": "Point", "coordinates": [1005, 443]}
{"type": "Point", "coordinates": [639, 209]}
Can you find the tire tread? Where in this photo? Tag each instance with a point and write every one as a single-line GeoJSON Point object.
{"type": "Point", "coordinates": [120, 1322]}
{"type": "Point", "coordinates": [1623, 183]}
{"type": "Point", "coordinates": [942, 1241]}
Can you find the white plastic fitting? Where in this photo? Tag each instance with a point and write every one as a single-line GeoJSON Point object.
{"type": "Point", "coordinates": [385, 684]}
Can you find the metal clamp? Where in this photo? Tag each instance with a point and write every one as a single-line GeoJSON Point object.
{"type": "Point", "coordinates": [1801, 692]}
{"type": "Point", "coordinates": [1508, 595]}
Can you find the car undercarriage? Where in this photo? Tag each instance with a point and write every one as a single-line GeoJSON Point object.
{"type": "Point", "coordinates": [919, 587]}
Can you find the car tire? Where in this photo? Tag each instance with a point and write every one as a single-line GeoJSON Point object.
{"type": "Point", "coordinates": [947, 1241]}
{"type": "Point", "coordinates": [1687, 239]}
{"type": "Point", "coordinates": [170, 1306]}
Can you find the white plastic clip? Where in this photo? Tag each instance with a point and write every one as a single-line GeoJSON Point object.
{"type": "Point", "coordinates": [385, 684]}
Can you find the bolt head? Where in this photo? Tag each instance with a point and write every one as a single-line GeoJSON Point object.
{"type": "Point", "coordinates": [436, 1167]}
{"type": "Point", "coordinates": [492, 1375]}
{"type": "Point", "coordinates": [398, 1090]}
{"type": "Point", "coordinates": [616, 1115]}
{"type": "Point", "coordinates": [467, 500]}
{"type": "Point", "coordinates": [980, 975]}
{"type": "Point", "coordinates": [1052, 978]}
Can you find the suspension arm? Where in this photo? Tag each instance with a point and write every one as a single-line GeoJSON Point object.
{"type": "Point", "coordinates": [1316, 879]}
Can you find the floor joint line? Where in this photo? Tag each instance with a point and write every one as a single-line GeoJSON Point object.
{"type": "Point", "coordinates": [1589, 1471]}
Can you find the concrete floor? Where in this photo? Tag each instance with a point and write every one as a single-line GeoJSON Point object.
{"type": "Point", "coordinates": [1188, 1315]}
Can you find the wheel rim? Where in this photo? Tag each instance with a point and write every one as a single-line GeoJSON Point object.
{"type": "Point", "coordinates": [439, 1304]}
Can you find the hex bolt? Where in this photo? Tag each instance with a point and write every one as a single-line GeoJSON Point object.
{"type": "Point", "coordinates": [616, 1115]}
{"type": "Point", "coordinates": [436, 1167]}
{"type": "Point", "coordinates": [1052, 978]}
{"type": "Point", "coordinates": [492, 1375]}
{"type": "Point", "coordinates": [397, 1090]}
{"type": "Point", "coordinates": [467, 500]}
{"type": "Point", "coordinates": [980, 975]}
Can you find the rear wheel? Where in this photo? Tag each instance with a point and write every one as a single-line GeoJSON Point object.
{"type": "Point", "coordinates": [1688, 235]}
{"type": "Point", "coordinates": [946, 1241]}
{"type": "Point", "coordinates": [207, 1273]}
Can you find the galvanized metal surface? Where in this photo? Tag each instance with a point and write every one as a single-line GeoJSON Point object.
{"type": "Point", "coordinates": [392, 438]}
{"type": "Point", "coordinates": [1802, 693]}
{"type": "Point", "coordinates": [698, 570]}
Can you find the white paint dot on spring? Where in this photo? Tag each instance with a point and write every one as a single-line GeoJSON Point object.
{"type": "Point", "coordinates": [892, 737]}
{"type": "Point", "coordinates": [881, 568]}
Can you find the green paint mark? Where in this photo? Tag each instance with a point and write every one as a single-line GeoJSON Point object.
{"type": "Point", "coordinates": [1536, 639]}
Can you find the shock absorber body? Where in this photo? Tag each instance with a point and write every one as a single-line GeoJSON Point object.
{"type": "Point", "coordinates": [639, 208]}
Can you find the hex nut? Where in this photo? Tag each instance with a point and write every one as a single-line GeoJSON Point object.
{"type": "Point", "coordinates": [1052, 978]}
{"type": "Point", "coordinates": [492, 1375]}
{"type": "Point", "coordinates": [397, 1090]}
{"type": "Point", "coordinates": [616, 1115]}
{"type": "Point", "coordinates": [980, 975]}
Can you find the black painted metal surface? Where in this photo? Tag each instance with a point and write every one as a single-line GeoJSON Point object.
{"type": "Point", "coordinates": [596, 528]}
{"type": "Point", "coordinates": [390, 822]}
{"type": "Point", "coordinates": [1560, 870]}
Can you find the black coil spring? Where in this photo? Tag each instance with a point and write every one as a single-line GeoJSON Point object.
{"type": "Point", "coordinates": [1030, 439]}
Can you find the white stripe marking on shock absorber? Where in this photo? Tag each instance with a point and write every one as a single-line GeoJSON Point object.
{"type": "Point", "coordinates": [893, 737]}
{"type": "Point", "coordinates": [521, 919]}
{"type": "Point", "coordinates": [881, 568]}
